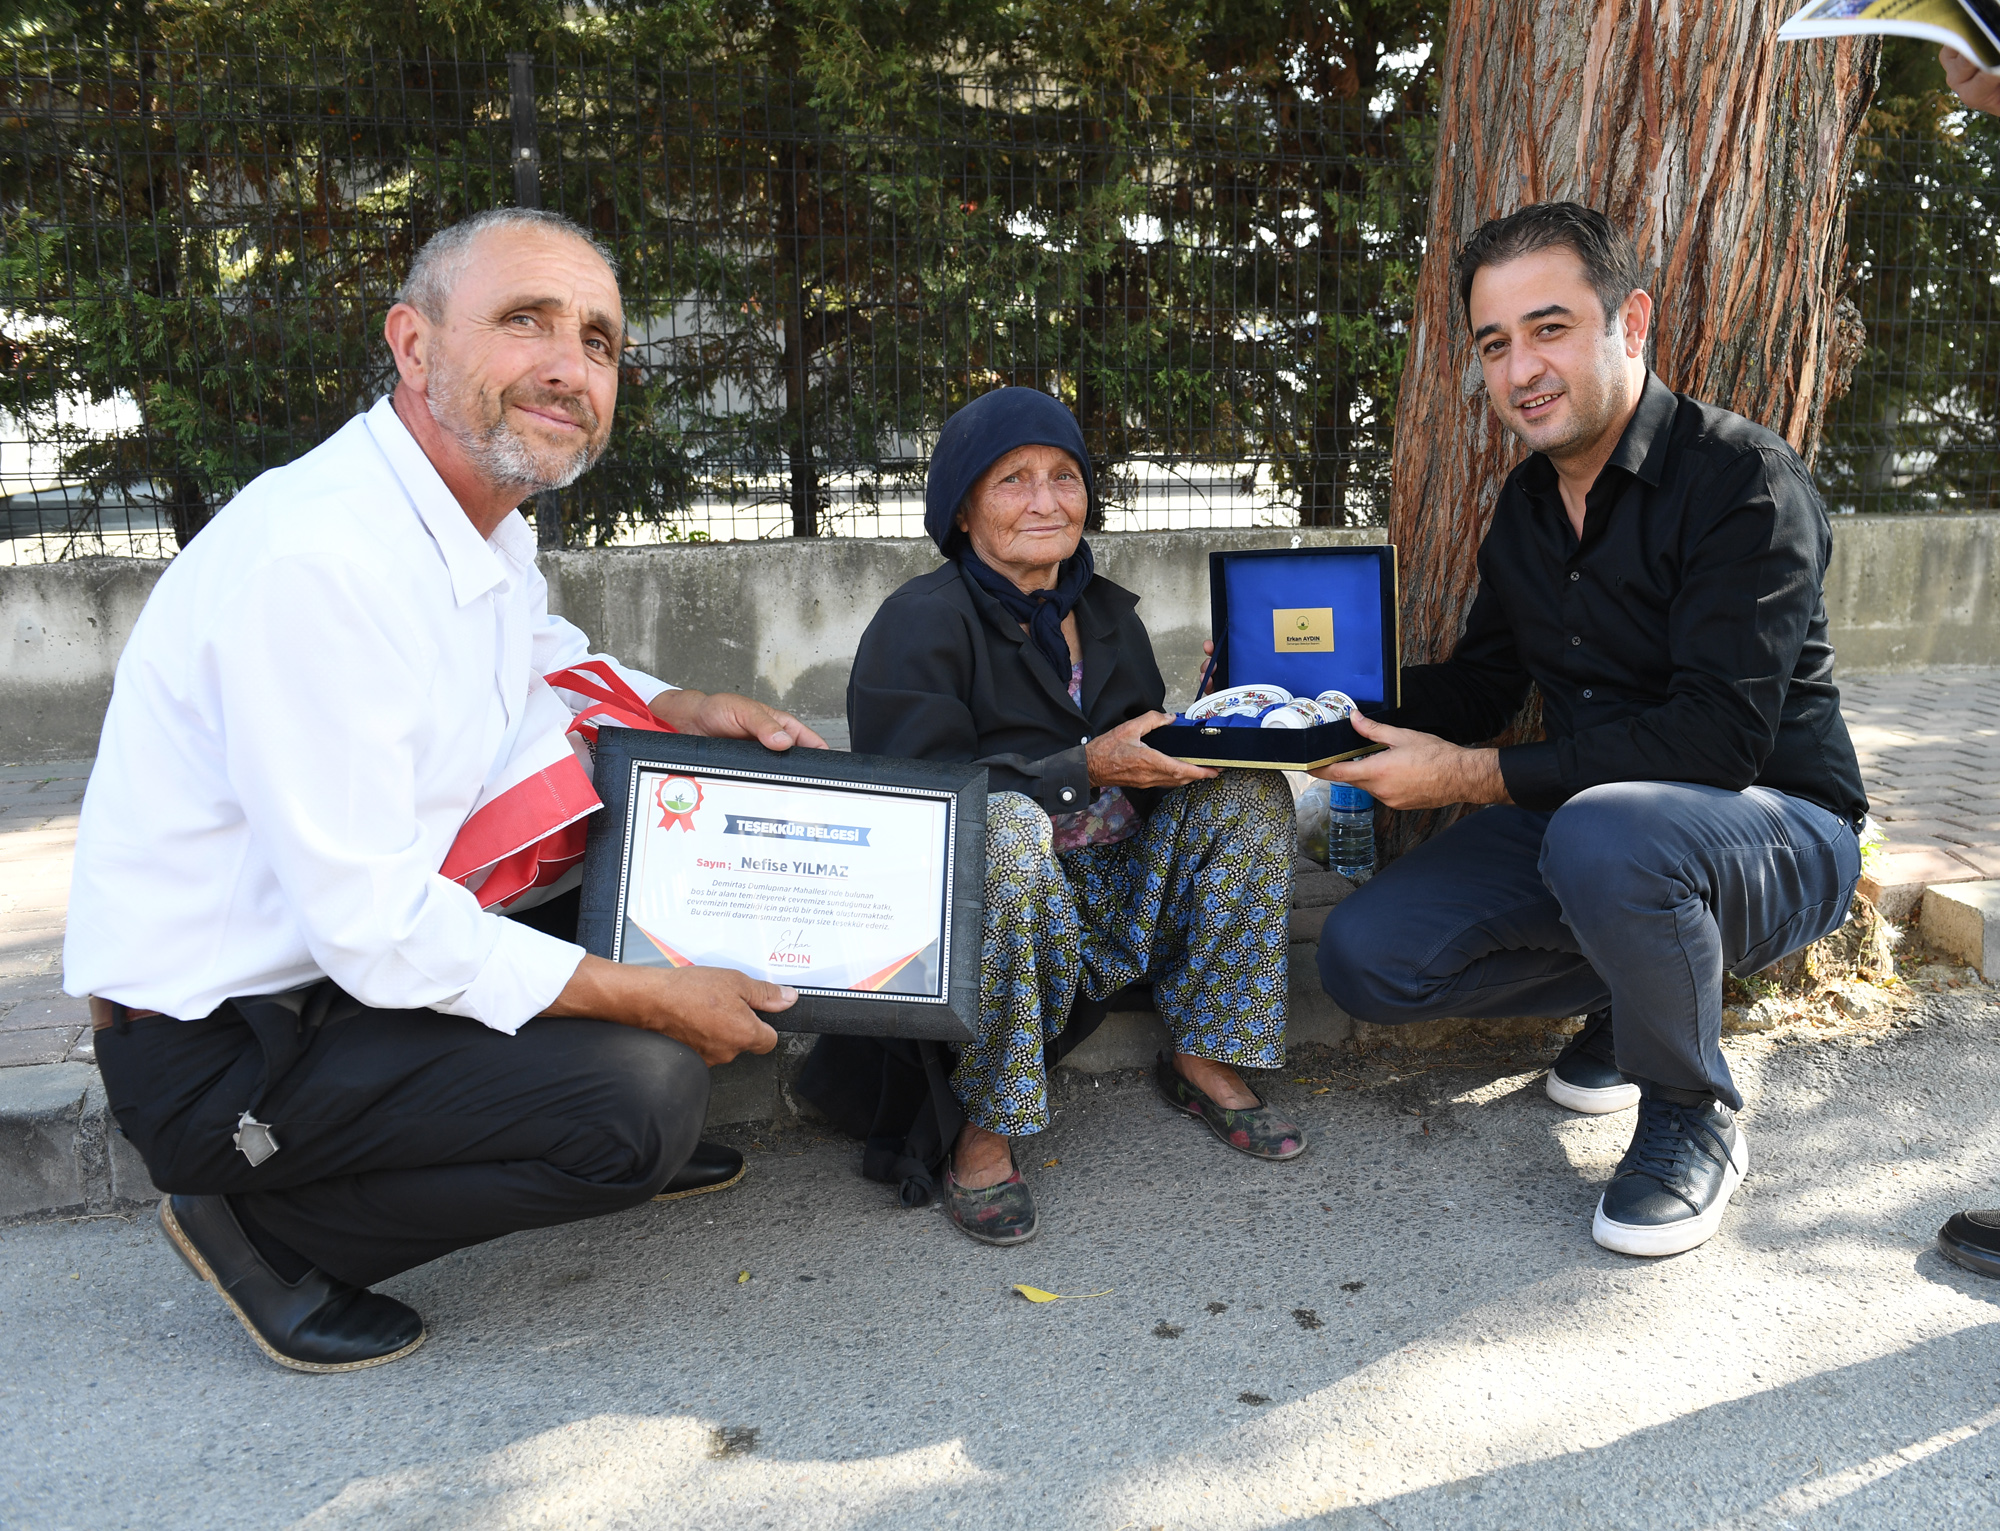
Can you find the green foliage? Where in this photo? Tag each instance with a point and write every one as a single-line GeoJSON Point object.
{"type": "Point", "coordinates": [1199, 223]}
{"type": "Point", "coordinates": [834, 224]}
{"type": "Point", "coordinates": [1179, 218]}
{"type": "Point", "coordinates": [1919, 429]}
{"type": "Point", "coordinates": [219, 251]}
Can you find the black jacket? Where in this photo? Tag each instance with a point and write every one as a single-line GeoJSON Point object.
{"type": "Point", "coordinates": [1682, 638]}
{"type": "Point", "coordinates": [943, 673]}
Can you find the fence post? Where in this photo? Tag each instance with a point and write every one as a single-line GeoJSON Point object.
{"type": "Point", "coordinates": [527, 152]}
{"type": "Point", "coordinates": [527, 161]}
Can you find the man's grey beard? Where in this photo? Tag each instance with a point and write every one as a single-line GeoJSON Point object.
{"type": "Point", "coordinates": [496, 449]}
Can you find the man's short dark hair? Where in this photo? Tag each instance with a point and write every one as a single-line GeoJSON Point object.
{"type": "Point", "coordinates": [1609, 261]}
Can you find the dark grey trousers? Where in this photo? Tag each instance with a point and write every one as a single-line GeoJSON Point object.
{"type": "Point", "coordinates": [1637, 895]}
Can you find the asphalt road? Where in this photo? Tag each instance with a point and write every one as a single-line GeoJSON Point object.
{"type": "Point", "coordinates": [1408, 1328]}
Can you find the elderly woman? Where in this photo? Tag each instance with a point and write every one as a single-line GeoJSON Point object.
{"type": "Point", "coordinates": [1106, 862]}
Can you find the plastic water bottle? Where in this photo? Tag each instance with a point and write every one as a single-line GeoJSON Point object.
{"type": "Point", "coordinates": [1350, 832]}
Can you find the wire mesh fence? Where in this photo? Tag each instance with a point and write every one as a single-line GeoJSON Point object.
{"type": "Point", "coordinates": [196, 251]}
{"type": "Point", "coordinates": [1919, 428]}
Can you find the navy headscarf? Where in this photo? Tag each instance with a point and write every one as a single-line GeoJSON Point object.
{"type": "Point", "coordinates": [972, 441]}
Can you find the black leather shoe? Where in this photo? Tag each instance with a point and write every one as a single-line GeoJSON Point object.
{"type": "Point", "coordinates": [1972, 1239]}
{"type": "Point", "coordinates": [1585, 1075]}
{"type": "Point", "coordinates": [711, 1167]}
{"type": "Point", "coordinates": [1671, 1187]}
{"type": "Point", "coordinates": [314, 1324]}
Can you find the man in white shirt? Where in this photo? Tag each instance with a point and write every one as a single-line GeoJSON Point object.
{"type": "Point", "coordinates": [338, 1063]}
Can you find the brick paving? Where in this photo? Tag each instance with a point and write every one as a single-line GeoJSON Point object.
{"type": "Point", "coordinates": [1929, 744]}
{"type": "Point", "coordinates": [38, 807]}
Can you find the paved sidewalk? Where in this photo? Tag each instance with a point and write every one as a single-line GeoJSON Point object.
{"type": "Point", "coordinates": [38, 807]}
{"type": "Point", "coordinates": [1409, 1328]}
{"type": "Point", "coordinates": [1930, 752]}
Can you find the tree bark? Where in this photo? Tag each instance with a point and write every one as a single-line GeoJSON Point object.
{"type": "Point", "coordinates": [1722, 152]}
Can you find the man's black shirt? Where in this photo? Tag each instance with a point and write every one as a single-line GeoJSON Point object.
{"type": "Point", "coordinates": [1681, 638]}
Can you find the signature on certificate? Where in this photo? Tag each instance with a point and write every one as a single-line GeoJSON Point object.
{"type": "Point", "coordinates": [793, 948]}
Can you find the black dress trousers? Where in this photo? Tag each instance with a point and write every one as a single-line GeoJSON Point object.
{"type": "Point", "coordinates": [403, 1134]}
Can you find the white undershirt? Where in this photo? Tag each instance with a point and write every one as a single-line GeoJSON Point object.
{"type": "Point", "coordinates": [308, 705]}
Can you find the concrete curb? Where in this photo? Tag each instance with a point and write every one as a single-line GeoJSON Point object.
{"type": "Point", "coordinates": [61, 1153]}
{"type": "Point", "coordinates": [1963, 919]}
{"type": "Point", "coordinates": [756, 1089]}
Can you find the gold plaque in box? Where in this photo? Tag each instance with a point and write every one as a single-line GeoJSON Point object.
{"type": "Point", "coordinates": [1302, 629]}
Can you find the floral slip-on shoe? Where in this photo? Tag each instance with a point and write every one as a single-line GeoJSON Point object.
{"type": "Point", "coordinates": [1258, 1131]}
{"type": "Point", "coordinates": [993, 1214]}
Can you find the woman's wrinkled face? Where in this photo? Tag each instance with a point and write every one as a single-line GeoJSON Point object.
{"type": "Point", "coordinates": [1027, 510]}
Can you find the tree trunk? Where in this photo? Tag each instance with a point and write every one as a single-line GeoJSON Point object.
{"type": "Point", "coordinates": [1721, 151]}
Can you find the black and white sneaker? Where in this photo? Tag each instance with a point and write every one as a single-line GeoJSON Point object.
{"type": "Point", "coordinates": [1585, 1075]}
{"type": "Point", "coordinates": [1674, 1181]}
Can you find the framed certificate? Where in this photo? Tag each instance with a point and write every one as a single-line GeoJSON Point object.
{"type": "Point", "coordinates": [857, 879]}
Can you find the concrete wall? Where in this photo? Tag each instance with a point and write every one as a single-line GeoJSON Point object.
{"type": "Point", "coordinates": [66, 624]}
{"type": "Point", "coordinates": [1904, 592]}
{"type": "Point", "coordinates": [780, 619]}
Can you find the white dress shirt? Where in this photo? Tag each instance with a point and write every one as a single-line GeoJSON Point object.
{"type": "Point", "coordinates": [305, 713]}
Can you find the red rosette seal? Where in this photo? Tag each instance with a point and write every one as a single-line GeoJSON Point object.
{"type": "Point", "coordinates": [678, 798]}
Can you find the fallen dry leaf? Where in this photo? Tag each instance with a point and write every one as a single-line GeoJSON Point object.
{"type": "Point", "coordinates": [741, 1277]}
{"type": "Point", "coordinates": [1036, 1294]}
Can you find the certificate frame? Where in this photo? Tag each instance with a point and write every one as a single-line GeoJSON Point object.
{"type": "Point", "coordinates": [950, 1014]}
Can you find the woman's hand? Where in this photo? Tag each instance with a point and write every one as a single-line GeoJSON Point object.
{"type": "Point", "coordinates": [1118, 759]}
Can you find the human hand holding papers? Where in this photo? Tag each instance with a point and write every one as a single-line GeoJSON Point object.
{"type": "Point", "coordinates": [1977, 88]}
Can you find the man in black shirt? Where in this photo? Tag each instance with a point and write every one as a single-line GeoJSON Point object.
{"type": "Point", "coordinates": [1655, 567]}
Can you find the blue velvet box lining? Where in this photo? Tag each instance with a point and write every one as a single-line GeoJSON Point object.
{"type": "Point", "coordinates": [1352, 590]}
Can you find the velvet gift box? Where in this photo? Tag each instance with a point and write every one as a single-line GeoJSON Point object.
{"type": "Point", "coordinates": [1306, 619]}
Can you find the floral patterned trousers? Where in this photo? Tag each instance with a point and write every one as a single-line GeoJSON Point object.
{"type": "Point", "coordinates": [1196, 900]}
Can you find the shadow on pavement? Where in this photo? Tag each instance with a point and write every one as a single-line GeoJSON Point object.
{"type": "Point", "coordinates": [1831, 1449]}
